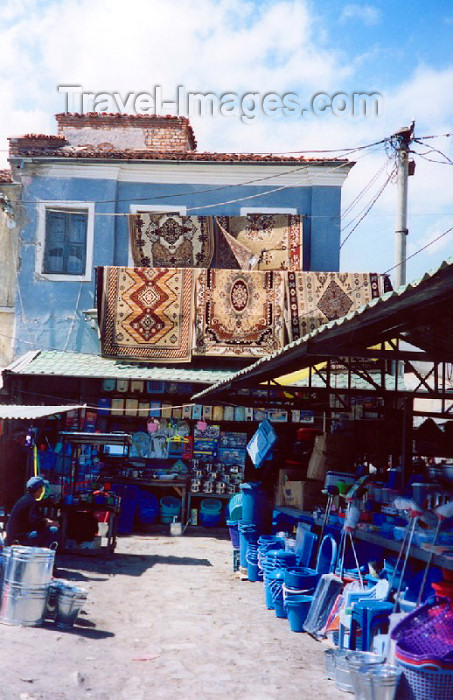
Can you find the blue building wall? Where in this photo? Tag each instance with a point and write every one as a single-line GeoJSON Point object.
{"type": "Point", "coordinates": [49, 313]}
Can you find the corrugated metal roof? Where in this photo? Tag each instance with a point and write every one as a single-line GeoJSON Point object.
{"type": "Point", "coordinates": [32, 412]}
{"type": "Point", "coordinates": [71, 364]}
{"type": "Point", "coordinates": [393, 301]}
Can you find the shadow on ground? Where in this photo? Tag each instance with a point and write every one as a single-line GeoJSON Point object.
{"type": "Point", "coordinates": [70, 566]}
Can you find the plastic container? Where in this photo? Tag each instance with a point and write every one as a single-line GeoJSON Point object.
{"type": "Point", "coordinates": [147, 507]}
{"type": "Point", "coordinates": [255, 505]}
{"type": "Point", "coordinates": [170, 507]}
{"type": "Point", "coordinates": [235, 507]}
{"type": "Point", "coordinates": [210, 512]}
{"type": "Point", "coordinates": [128, 507]}
{"type": "Point", "coordinates": [297, 607]}
{"type": "Point", "coordinates": [234, 532]}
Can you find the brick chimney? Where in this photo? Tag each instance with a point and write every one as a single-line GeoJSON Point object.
{"type": "Point", "coordinates": [126, 132]}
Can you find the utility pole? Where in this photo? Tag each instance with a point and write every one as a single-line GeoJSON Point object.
{"type": "Point", "coordinates": [403, 139]}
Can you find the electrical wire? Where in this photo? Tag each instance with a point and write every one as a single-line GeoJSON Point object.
{"type": "Point", "coordinates": [368, 208]}
{"type": "Point", "coordinates": [436, 150]}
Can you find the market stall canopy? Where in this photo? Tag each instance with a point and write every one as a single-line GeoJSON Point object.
{"type": "Point", "coordinates": [83, 365]}
{"type": "Point", "coordinates": [418, 313]}
{"type": "Point", "coordinates": [33, 412]}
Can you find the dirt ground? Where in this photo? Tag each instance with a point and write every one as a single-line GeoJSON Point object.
{"type": "Point", "coordinates": [166, 617]}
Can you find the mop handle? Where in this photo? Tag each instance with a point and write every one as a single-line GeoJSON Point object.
{"type": "Point", "coordinates": [403, 544]}
{"type": "Point", "coordinates": [356, 560]}
{"type": "Point", "coordinates": [406, 557]}
{"type": "Point", "coordinates": [443, 512]}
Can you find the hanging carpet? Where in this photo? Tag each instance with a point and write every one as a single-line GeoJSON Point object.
{"type": "Point", "coordinates": [315, 298]}
{"type": "Point", "coordinates": [239, 313]}
{"type": "Point", "coordinates": [262, 241]}
{"type": "Point", "coordinates": [145, 314]}
{"type": "Point", "coordinates": [170, 240]}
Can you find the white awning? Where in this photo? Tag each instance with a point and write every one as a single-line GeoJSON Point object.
{"type": "Point", "coordinates": [32, 412]}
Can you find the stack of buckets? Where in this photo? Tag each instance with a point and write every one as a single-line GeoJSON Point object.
{"type": "Point", "coordinates": [210, 512]}
{"type": "Point", "coordinates": [27, 572]}
{"type": "Point", "coordinates": [234, 511]}
{"type": "Point", "coordinates": [256, 519]}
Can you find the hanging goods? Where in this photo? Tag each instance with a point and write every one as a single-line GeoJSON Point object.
{"type": "Point", "coordinates": [328, 588]}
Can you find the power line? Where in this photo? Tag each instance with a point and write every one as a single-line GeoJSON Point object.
{"type": "Point", "coordinates": [368, 208]}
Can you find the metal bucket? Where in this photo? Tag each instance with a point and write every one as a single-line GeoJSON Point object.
{"type": "Point", "coordinates": [27, 566]}
{"type": "Point", "coordinates": [68, 603]}
{"type": "Point", "coordinates": [23, 606]}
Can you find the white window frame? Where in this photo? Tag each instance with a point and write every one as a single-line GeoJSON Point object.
{"type": "Point", "coordinates": [69, 206]}
{"type": "Point", "coordinates": [243, 211]}
{"type": "Point", "coordinates": [157, 209]}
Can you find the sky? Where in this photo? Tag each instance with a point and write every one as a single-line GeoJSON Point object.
{"type": "Point", "coordinates": [400, 50]}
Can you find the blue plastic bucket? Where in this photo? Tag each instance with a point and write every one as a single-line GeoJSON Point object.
{"type": "Point", "coordinates": [147, 507]}
{"type": "Point", "coordinates": [255, 506]}
{"type": "Point", "coordinates": [279, 607]}
{"type": "Point", "coordinates": [247, 533]}
{"type": "Point", "coordinates": [234, 533]}
{"type": "Point", "coordinates": [169, 508]}
{"type": "Point", "coordinates": [213, 506]}
{"type": "Point", "coordinates": [297, 608]}
{"type": "Point", "coordinates": [128, 507]}
{"type": "Point", "coordinates": [274, 584]}
{"type": "Point", "coordinates": [235, 507]}
{"type": "Point", "coordinates": [209, 519]}
{"type": "Point", "coordinates": [253, 570]}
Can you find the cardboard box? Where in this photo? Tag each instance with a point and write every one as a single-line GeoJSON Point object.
{"type": "Point", "coordinates": [304, 495]}
{"type": "Point", "coordinates": [331, 451]}
{"type": "Point", "coordinates": [285, 475]}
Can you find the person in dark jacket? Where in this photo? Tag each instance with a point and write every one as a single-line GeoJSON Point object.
{"type": "Point", "coordinates": [26, 525]}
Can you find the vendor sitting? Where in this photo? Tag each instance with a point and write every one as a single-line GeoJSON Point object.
{"type": "Point", "coordinates": [26, 525]}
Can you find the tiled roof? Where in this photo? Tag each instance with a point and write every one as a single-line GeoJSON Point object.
{"type": "Point", "coordinates": [5, 176]}
{"type": "Point", "coordinates": [71, 364]}
{"type": "Point", "coordinates": [81, 153]}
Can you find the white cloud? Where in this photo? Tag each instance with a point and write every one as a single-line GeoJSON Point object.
{"type": "Point", "coordinates": [368, 14]}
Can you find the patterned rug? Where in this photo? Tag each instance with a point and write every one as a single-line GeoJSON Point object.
{"type": "Point", "coordinates": [145, 314]}
{"type": "Point", "coordinates": [264, 241]}
{"type": "Point", "coordinates": [239, 313]}
{"type": "Point", "coordinates": [168, 240]}
{"type": "Point", "coordinates": [314, 298]}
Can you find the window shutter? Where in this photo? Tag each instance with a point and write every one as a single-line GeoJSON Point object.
{"type": "Point", "coordinates": [65, 243]}
{"type": "Point", "coordinates": [55, 242]}
{"type": "Point", "coordinates": [76, 244]}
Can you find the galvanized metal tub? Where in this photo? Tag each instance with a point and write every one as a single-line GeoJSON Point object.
{"type": "Point", "coordinates": [27, 566]}
{"type": "Point", "coordinates": [68, 603]}
{"type": "Point", "coordinates": [23, 606]}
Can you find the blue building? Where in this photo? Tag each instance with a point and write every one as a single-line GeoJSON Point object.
{"type": "Point", "coordinates": [77, 188]}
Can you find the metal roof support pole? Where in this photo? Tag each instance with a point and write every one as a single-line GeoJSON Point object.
{"type": "Point", "coordinates": [406, 447]}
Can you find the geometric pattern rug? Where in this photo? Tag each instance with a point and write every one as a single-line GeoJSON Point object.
{"type": "Point", "coordinates": [315, 298]}
{"type": "Point", "coordinates": [145, 314]}
{"type": "Point", "coordinates": [270, 241]}
{"type": "Point", "coordinates": [170, 240]}
{"type": "Point", "coordinates": [239, 313]}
